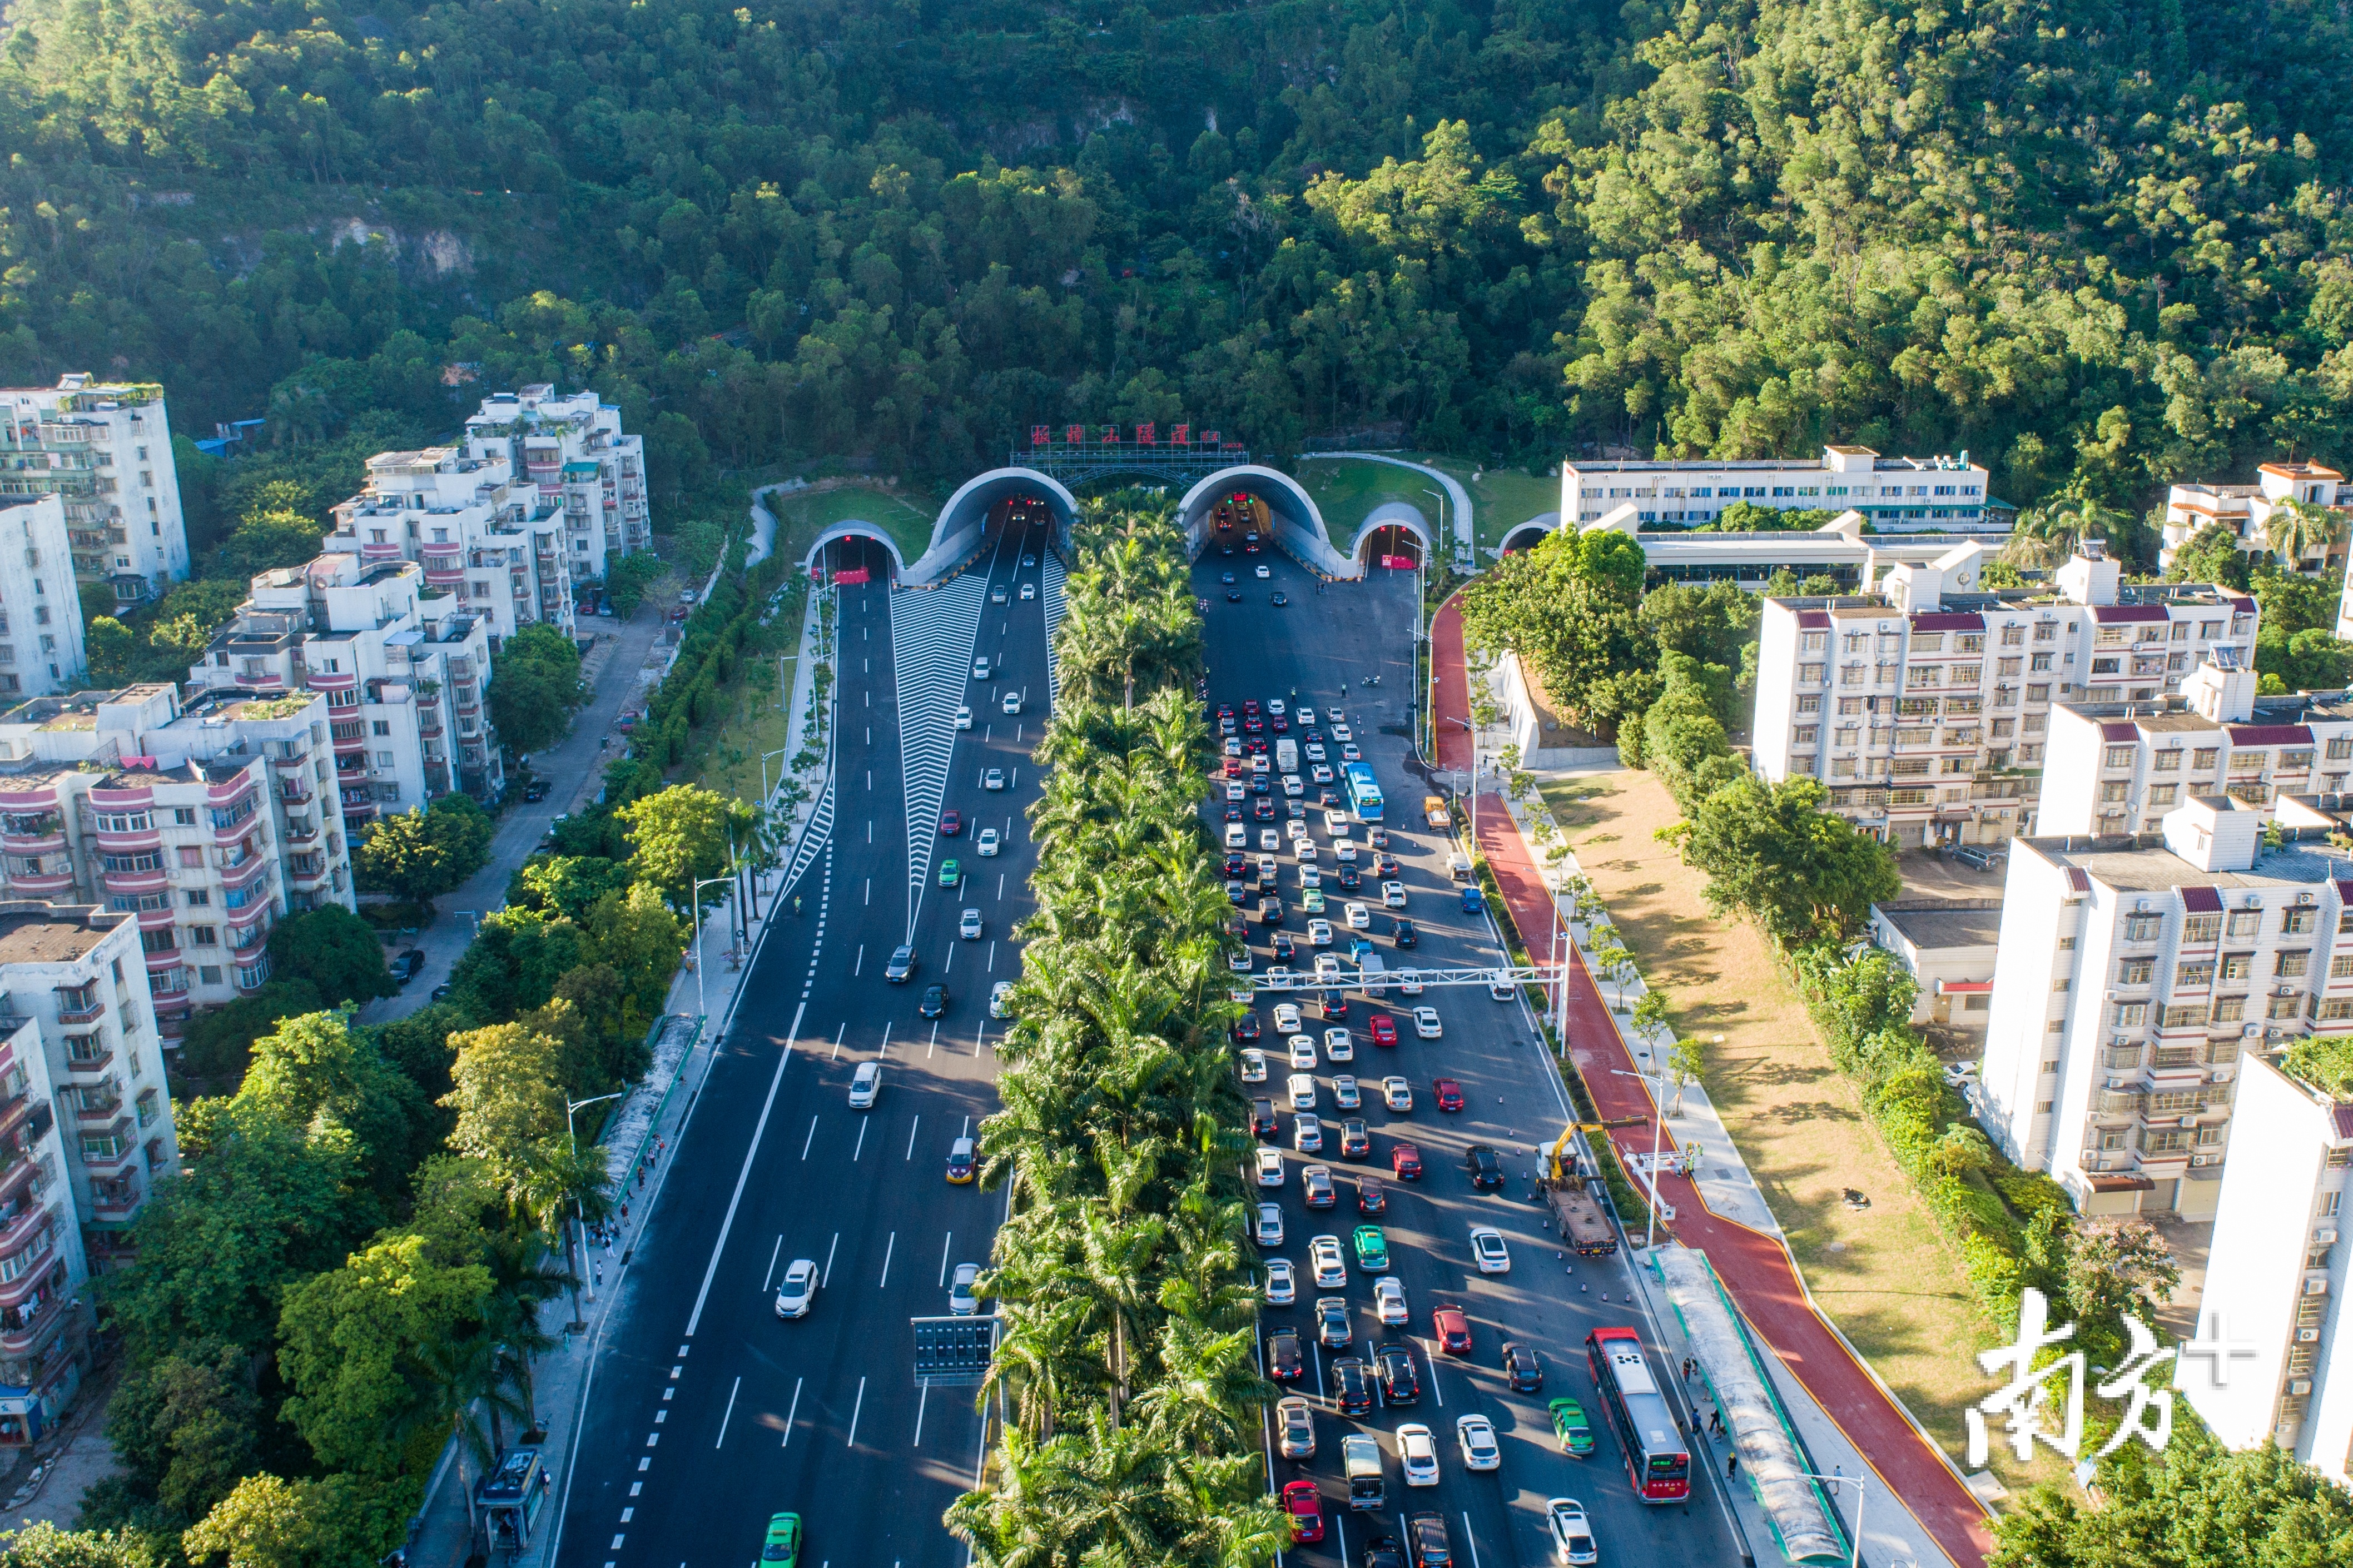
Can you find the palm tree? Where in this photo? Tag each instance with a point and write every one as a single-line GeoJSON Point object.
{"type": "Point", "coordinates": [456, 1376]}
{"type": "Point", "coordinates": [2296, 529]}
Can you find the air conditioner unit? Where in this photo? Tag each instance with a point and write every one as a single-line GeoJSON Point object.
{"type": "Point", "coordinates": [2273, 1033]}
{"type": "Point", "coordinates": [2325, 1236]}
{"type": "Point", "coordinates": [2304, 898]}
{"type": "Point", "coordinates": [2251, 902]}
{"type": "Point", "coordinates": [2140, 906]}
{"type": "Point", "coordinates": [2190, 1122]}
{"type": "Point", "coordinates": [2307, 1336]}
{"type": "Point", "coordinates": [2315, 1286]}
{"type": "Point", "coordinates": [2251, 1031]}
{"type": "Point", "coordinates": [2298, 1387]}
{"type": "Point", "coordinates": [2205, 1159]}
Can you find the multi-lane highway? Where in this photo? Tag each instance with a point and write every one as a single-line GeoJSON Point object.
{"type": "Point", "coordinates": [1319, 650]}
{"type": "Point", "coordinates": [705, 1413]}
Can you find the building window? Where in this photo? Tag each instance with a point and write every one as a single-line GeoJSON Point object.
{"type": "Point", "coordinates": [2335, 1009]}
{"type": "Point", "coordinates": [204, 936]}
{"type": "Point", "coordinates": [191, 856]}
{"type": "Point", "coordinates": [2230, 1009]}
{"type": "Point", "coordinates": [184, 817]}
{"type": "Point", "coordinates": [2167, 761]}
{"type": "Point", "coordinates": [2131, 1015]}
{"type": "Point", "coordinates": [2205, 758]}
{"type": "Point", "coordinates": [2246, 923]}
{"type": "Point", "coordinates": [2302, 920]}
{"type": "Point", "coordinates": [2194, 976]}
{"type": "Point", "coordinates": [2284, 1007]}
{"type": "Point", "coordinates": [2143, 927]}
{"type": "Point", "coordinates": [2136, 971]}
{"type": "Point", "coordinates": [2292, 965]}
{"type": "Point", "coordinates": [198, 898]}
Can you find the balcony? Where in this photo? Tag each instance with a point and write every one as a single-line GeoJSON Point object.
{"type": "Point", "coordinates": [17, 1226]}
{"type": "Point", "coordinates": [30, 836]}
{"type": "Point", "coordinates": [80, 1006]}
{"type": "Point", "coordinates": [301, 829]}
{"type": "Point", "coordinates": [98, 1111]}
{"type": "Point", "coordinates": [117, 1200]}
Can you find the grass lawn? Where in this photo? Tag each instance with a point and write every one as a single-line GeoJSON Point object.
{"type": "Point", "coordinates": [1885, 1276]}
{"type": "Point", "coordinates": [806, 514]}
{"type": "Point", "coordinates": [1345, 490]}
{"type": "Point", "coordinates": [1501, 499]}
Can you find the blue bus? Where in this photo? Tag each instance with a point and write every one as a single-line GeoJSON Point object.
{"type": "Point", "coordinates": [1364, 795]}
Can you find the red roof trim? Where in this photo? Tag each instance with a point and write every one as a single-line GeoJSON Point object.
{"type": "Point", "coordinates": [2112, 615]}
{"type": "Point", "coordinates": [2201, 900]}
{"type": "Point", "coordinates": [1947, 621]}
{"type": "Point", "coordinates": [1814, 620]}
{"type": "Point", "coordinates": [2119, 731]}
{"type": "Point", "coordinates": [2269, 734]}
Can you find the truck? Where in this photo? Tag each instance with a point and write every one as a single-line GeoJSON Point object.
{"type": "Point", "coordinates": [1360, 1460]}
{"type": "Point", "coordinates": [1373, 974]}
{"type": "Point", "coordinates": [1286, 754]}
{"type": "Point", "coordinates": [1582, 1224]}
{"type": "Point", "coordinates": [1433, 810]}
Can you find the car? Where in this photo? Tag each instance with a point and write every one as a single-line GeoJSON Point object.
{"type": "Point", "coordinates": [1309, 877]}
{"type": "Point", "coordinates": [1253, 1066]}
{"type": "Point", "coordinates": [988, 843]}
{"type": "Point", "coordinates": [797, 1292]}
{"type": "Point", "coordinates": [1286, 1018]}
{"type": "Point", "coordinates": [1301, 1051]}
{"type": "Point", "coordinates": [1383, 1029]}
{"type": "Point", "coordinates": [1307, 1134]}
{"type": "Point", "coordinates": [935, 1004]}
{"type": "Point", "coordinates": [1450, 1326]}
{"type": "Point", "coordinates": [1236, 835]}
{"type": "Point", "coordinates": [1331, 1004]}
{"type": "Point", "coordinates": [1262, 571]}
{"type": "Point", "coordinates": [1397, 1093]}
{"type": "Point", "coordinates": [1489, 1251]}
{"type": "Point", "coordinates": [1571, 1533]}
{"type": "Point", "coordinates": [1246, 1027]}
{"type": "Point", "coordinates": [1284, 949]}
{"type": "Point", "coordinates": [1418, 1450]}
{"type": "Point", "coordinates": [1331, 1330]}
{"type": "Point", "coordinates": [997, 594]}
{"type": "Point", "coordinates": [1301, 1088]}
{"type": "Point", "coordinates": [782, 1547]}
{"type": "Point", "coordinates": [1371, 1196]}
{"type": "Point", "coordinates": [1279, 599]}
{"type": "Point", "coordinates": [1226, 579]}
{"type": "Point", "coordinates": [1323, 1260]}
{"type": "Point", "coordinates": [1570, 1427]}
{"type": "Point", "coordinates": [1282, 1284]}
{"type": "Point", "coordinates": [1294, 1426]}
{"type": "Point", "coordinates": [1355, 1143]}
{"type": "Point", "coordinates": [1352, 1386]}
{"type": "Point", "coordinates": [1320, 773]}
{"type": "Point", "coordinates": [1388, 1300]}
{"type": "Point", "coordinates": [1476, 1439]}
{"type": "Point", "coordinates": [1345, 853]}
{"type": "Point", "coordinates": [1304, 1508]}
{"type": "Point", "coordinates": [1028, 590]}
{"type": "Point", "coordinates": [969, 926]}
{"type": "Point", "coordinates": [1402, 934]}
{"type": "Point", "coordinates": [1270, 911]}
{"type": "Point", "coordinates": [1285, 1360]}
{"type": "Point", "coordinates": [1372, 1249]}
{"type": "Point", "coordinates": [964, 716]}
{"type": "Point", "coordinates": [1502, 990]}
{"type": "Point", "coordinates": [864, 1085]}
{"type": "Point", "coordinates": [1449, 1093]}
{"type": "Point", "coordinates": [1385, 865]}
{"type": "Point", "coordinates": [1349, 878]}
{"type": "Point", "coordinates": [951, 824]}
{"type": "Point", "coordinates": [1338, 1044]}
{"type": "Point", "coordinates": [536, 790]}
{"type": "Point", "coordinates": [951, 873]}
{"type": "Point", "coordinates": [1319, 933]}
{"type": "Point", "coordinates": [1269, 1231]}
{"type": "Point", "coordinates": [1341, 732]}
{"type": "Point", "coordinates": [1239, 960]}
{"type": "Point", "coordinates": [1405, 1161]}
{"type": "Point", "coordinates": [1028, 559]}
{"type": "Point", "coordinates": [1316, 1188]}
{"type": "Point", "coordinates": [1425, 1026]}
{"type": "Point", "coordinates": [1344, 1093]}
{"type": "Point", "coordinates": [963, 1162]}
{"type": "Point", "coordinates": [1327, 968]}
{"type": "Point", "coordinates": [961, 1302]}
{"type": "Point", "coordinates": [1236, 893]}
{"type": "Point", "coordinates": [993, 779]}
{"type": "Point", "coordinates": [1410, 985]}
{"type": "Point", "coordinates": [1357, 916]}
{"type": "Point", "coordinates": [1484, 1165]}
{"type": "Point", "coordinates": [1521, 1369]}
{"type": "Point", "coordinates": [1393, 895]}
{"type": "Point", "coordinates": [1268, 838]}
{"type": "Point", "coordinates": [1401, 1377]}
{"type": "Point", "coordinates": [1426, 1534]}
{"type": "Point", "coordinates": [1267, 1166]}
{"type": "Point", "coordinates": [407, 965]}
{"type": "Point", "coordinates": [980, 667]}
{"type": "Point", "coordinates": [441, 992]}
{"type": "Point", "coordinates": [899, 964]}
{"type": "Point", "coordinates": [1012, 702]}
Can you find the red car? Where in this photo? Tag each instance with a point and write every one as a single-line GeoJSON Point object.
{"type": "Point", "coordinates": [1449, 1094]}
{"type": "Point", "coordinates": [951, 824]}
{"type": "Point", "coordinates": [1249, 706]}
{"type": "Point", "coordinates": [1383, 1029]}
{"type": "Point", "coordinates": [1253, 725]}
{"type": "Point", "coordinates": [1405, 1160]}
{"type": "Point", "coordinates": [1452, 1327]}
{"type": "Point", "coordinates": [1278, 723]}
{"type": "Point", "coordinates": [1306, 1511]}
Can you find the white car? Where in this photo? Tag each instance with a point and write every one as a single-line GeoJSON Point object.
{"type": "Point", "coordinates": [988, 843]}
{"type": "Point", "coordinates": [1328, 969]}
{"type": "Point", "coordinates": [1500, 990]}
{"type": "Point", "coordinates": [1269, 1231]}
{"type": "Point", "coordinates": [964, 716]}
{"type": "Point", "coordinates": [1307, 1134]}
{"type": "Point", "coordinates": [1237, 835]}
{"type": "Point", "coordinates": [1341, 732]}
{"type": "Point", "coordinates": [1267, 869]}
{"type": "Point", "coordinates": [1320, 774]}
{"type": "Point", "coordinates": [1476, 1436]}
{"type": "Point", "coordinates": [1305, 849]}
{"type": "Point", "coordinates": [1263, 573]}
{"type": "Point", "coordinates": [999, 999]}
{"type": "Point", "coordinates": [980, 669]}
{"type": "Point", "coordinates": [1358, 916]}
{"type": "Point", "coordinates": [1303, 1051]}
{"type": "Point", "coordinates": [1029, 590]}
{"type": "Point", "coordinates": [1306, 717]}
{"type": "Point", "coordinates": [1336, 825]}
{"type": "Point", "coordinates": [993, 779]}
{"type": "Point", "coordinates": [1275, 708]}
{"type": "Point", "coordinates": [1393, 895]}
{"type": "Point", "coordinates": [1410, 987]}
{"type": "Point", "coordinates": [1339, 1045]}
{"type": "Point", "coordinates": [1235, 792]}
{"type": "Point", "coordinates": [1012, 703]}
{"type": "Point", "coordinates": [1291, 787]}
{"type": "Point", "coordinates": [1397, 1093]}
{"type": "Point", "coordinates": [1239, 960]}
{"type": "Point", "coordinates": [1571, 1531]}
{"type": "Point", "coordinates": [1294, 828]}
{"type": "Point", "coordinates": [1281, 1285]}
{"type": "Point", "coordinates": [1300, 1086]}
{"type": "Point", "coordinates": [1487, 1249]}
{"type": "Point", "coordinates": [968, 928]}
{"type": "Point", "coordinates": [1253, 1065]}
{"type": "Point", "coordinates": [797, 1294]}
{"type": "Point", "coordinates": [1418, 1450]}
{"type": "Point", "coordinates": [1426, 1025]}
{"type": "Point", "coordinates": [1309, 877]}
{"type": "Point", "coordinates": [1268, 839]}
{"type": "Point", "coordinates": [1319, 933]}
{"type": "Point", "coordinates": [1286, 1018]}
{"type": "Point", "coordinates": [1323, 1257]}
{"type": "Point", "coordinates": [961, 1302]}
{"type": "Point", "coordinates": [1388, 1300]}
{"type": "Point", "coordinates": [1344, 1093]}
{"type": "Point", "coordinates": [864, 1085]}
{"type": "Point", "coordinates": [1269, 1166]}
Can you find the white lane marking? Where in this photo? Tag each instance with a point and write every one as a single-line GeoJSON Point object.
{"type": "Point", "coordinates": [838, 1033]}
{"type": "Point", "coordinates": [861, 965]}
{"type": "Point", "coordinates": [968, 1126]}
{"type": "Point", "coordinates": [869, 831]}
{"type": "Point", "coordinates": [854, 1411]}
{"type": "Point", "coordinates": [992, 946]}
{"type": "Point", "coordinates": [759, 1128]}
{"type": "Point", "coordinates": [910, 1136]}
{"type": "Point", "coordinates": [1470, 1540]}
{"type": "Point", "coordinates": [889, 1246]}
{"type": "Point", "coordinates": [946, 1242]}
{"type": "Point", "coordinates": [977, 1041]}
{"type": "Point", "coordinates": [1435, 1391]}
{"type": "Point", "coordinates": [773, 1253]}
{"type": "Point", "coordinates": [810, 1139]}
{"type": "Point", "coordinates": [885, 1049]}
{"type": "Point", "coordinates": [862, 1124]}
{"type": "Point", "coordinates": [870, 890]}
{"type": "Point", "coordinates": [921, 1398]}
{"type": "Point", "coordinates": [928, 1051]}
{"type": "Point", "coordinates": [1000, 884]}
{"type": "Point", "coordinates": [730, 1413]}
{"type": "Point", "coordinates": [795, 1407]}
{"type": "Point", "coordinates": [827, 1277]}
{"type": "Point", "coordinates": [951, 961]}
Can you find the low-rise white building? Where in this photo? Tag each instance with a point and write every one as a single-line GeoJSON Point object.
{"type": "Point", "coordinates": [2247, 510]}
{"type": "Point", "coordinates": [1928, 495]}
{"type": "Point", "coordinates": [1947, 946]}
{"type": "Point", "coordinates": [104, 450]}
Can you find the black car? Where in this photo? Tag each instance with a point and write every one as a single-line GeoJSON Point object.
{"type": "Point", "coordinates": [1235, 893]}
{"type": "Point", "coordinates": [1237, 866]}
{"type": "Point", "coordinates": [1352, 1386]}
{"type": "Point", "coordinates": [1371, 1197]}
{"type": "Point", "coordinates": [406, 967]}
{"type": "Point", "coordinates": [1348, 877]}
{"type": "Point", "coordinates": [1332, 1328]}
{"type": "Point", "coordinates": [1263, 809]}
{"type": "Point", "coordinates": [440, 992]}
{"type": "Point", "coordinates": [1485, 1166]}
{"type": "Point", "coordinates": [900, 965]}
{"type": "Point", "coordinates": [1262, 1122]}
{"type": "Point", "coordinates": [1378, 838]}
{"type": "Point", "coordinates": [934, 1002]}
{"type": "Point", "coordinates": [1285, 949]}
{"type": "Point", "coordinates": [1316, 1188]}
{"type": "Point", "coordinates": [1270, 911]}
{"type": "Point", "coordinates": [1281, 598]}
{"type": "Point", "coordinates": [1400, 1379]}
{"type": "Point", "coordinates": [1246, 1030]}
{"type": "Point", "coordinates": [1383, 1551]}
{"type": "Point", "coordinates": [1285, 1363]}
{"type": "Point", "coordinates": [1331, 1004]}
{"type": "Point", "coordinates": [1428, 1534]}
{"type": "Point", "coordinates": [1261, 784]}
{"type": "Point", "coordinates": [1233, 596]}
{"type": "Point", "coordinates": [535, 790]}
{"type": "Point", "coordinates": [1521, 1365]}
{"type": "Point", "coordinates": [1404, 933]}
{"type": "Point", "coordinates": [1226, 578]}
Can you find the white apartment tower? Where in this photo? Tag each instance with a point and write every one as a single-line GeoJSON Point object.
{"type": "Point", "coordinates": [41, 648]}
{"type": "Point", "coordinates": [572, 453]}
{"type": "Point", "coordinates": [1894, 495]}
{"type": "Point", "coordinates": [104, 450]}
{"type": "Point", "coordinates": [487, 545]}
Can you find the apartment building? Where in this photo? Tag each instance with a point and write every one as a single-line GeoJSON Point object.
{"type": "Point", "coordinates": [86, 1133]}
{"type": "Point", "coordinates": [41, 647]}
{"type": "Point", "coordinates": [104, 450]}
{"type": "Point", "coordinates": [402, 668]}
{"type": "Point", "coordinates": [1925, 707]}
{"type": "Point", "coordinates": [1894, 495]}
{"type": "Point", "coordinates": [209, 823]}
{"type": "Point", "coordinates": [2247, 510]}
{"type": "Point", "coordinates": [494, 547]}
{"type": "Point", "coordinates": [2278, 1276]}
{"type": "Point", "coordinates": [573, 452]}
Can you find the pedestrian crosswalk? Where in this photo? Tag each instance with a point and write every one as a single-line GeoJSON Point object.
{"type": "Point", "coordinates": [1054, 575]}
{"type": "Point", "coordinates": [932, 633]}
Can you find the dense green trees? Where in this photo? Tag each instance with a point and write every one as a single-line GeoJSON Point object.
{"type": "Point", "coordinates": [535, 688]}
{"type": "Point", "coordinates": [424, 851]}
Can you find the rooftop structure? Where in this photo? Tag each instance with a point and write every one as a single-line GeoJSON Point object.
{"type": "Point", "coordinates": [104, 450]}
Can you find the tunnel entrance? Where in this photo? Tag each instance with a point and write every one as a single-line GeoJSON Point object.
{"type": "Point", "coordinates": [1526, 536]}
{"type": "Point", "coordinates": [1393, 545]}
{"type": "Point", "coordinates": [856, 556]}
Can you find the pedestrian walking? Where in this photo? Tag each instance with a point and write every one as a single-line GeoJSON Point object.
{"type": "Point", "coordinates": [1731, 1464]}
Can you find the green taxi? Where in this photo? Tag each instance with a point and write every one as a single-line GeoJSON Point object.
{"type": "Point", "coordinates": [1372, 1249]}
{"type": "Point", "coordinates": [1568, 1424]}
{"type": "Point", "coordinates": [782, 1547]}
{"type": "Point", "coordinates": [950, 873]}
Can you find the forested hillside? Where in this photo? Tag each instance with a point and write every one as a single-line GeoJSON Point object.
{"type": "Point", "coordinates": [2097, 240]}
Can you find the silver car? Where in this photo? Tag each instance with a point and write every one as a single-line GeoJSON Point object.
{"type": "Point", "coordinates": [797, 1294]}
{"type": "Point", "coordinates": [961, 1299]}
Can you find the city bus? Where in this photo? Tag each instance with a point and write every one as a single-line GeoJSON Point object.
{"type": "Point", "coordinates": [1656, 1461]}
{"type": "Point", "coordinates": [1364, 795]}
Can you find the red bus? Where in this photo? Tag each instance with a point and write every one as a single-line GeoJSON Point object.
{"type": "Point", "coordinates": [1656, 1461]}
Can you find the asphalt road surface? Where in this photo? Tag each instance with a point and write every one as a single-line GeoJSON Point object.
{"type": "Point", "coordinates": [1322, 646]}
{"type": "Point", "coordinates": [706, 1413]}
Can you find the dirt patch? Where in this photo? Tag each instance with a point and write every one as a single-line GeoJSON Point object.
{"type": "Point", "coordinates": [1884, 1275]}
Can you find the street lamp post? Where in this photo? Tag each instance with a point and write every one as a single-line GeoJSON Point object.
{"type": "Point", "coordinates": [1855, 1558]}
{"type": "Point", "coordinates": [1658, 1133]}
{"type": "Point", "coordinates": [579, 1226]}
{"type": "Point", "coordinates": [700, 1009]}
{"type": "Point", "coordinates": [780, 752]}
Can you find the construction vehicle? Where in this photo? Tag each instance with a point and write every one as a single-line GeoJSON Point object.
{"type": "Point", "coordinates": [1433, 810]}
{"type": "Point", "coordinates": [1568, 1194]}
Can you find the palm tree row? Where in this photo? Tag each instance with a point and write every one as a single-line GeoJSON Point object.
{"type": "Point", "coordinates": [1127, 1371]}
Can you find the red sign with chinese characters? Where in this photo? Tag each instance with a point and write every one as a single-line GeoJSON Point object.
{"type": "Point", "coordinates": [1180, 435]}
{"type": "Point", "coordinates": [1040, 435]}
{"type": "Point", "coordinates": [1144, 434]}
{"type": "Point", "coordinates": [1111, 435]}
{"type": "Point", "coordinates": [1209, 438]}
{"type": "Point", "coordinates": [1076, 435]}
